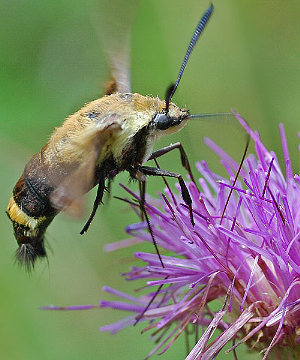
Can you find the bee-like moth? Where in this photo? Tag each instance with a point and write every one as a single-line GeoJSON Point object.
{"type": "Point", "coordinates": [108, 135]}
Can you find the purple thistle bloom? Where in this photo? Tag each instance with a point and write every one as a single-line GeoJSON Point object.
{"type": "Point", "coordinates": [249, 258]}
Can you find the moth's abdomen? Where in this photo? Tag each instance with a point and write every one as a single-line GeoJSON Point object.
{"type": "Point", "coordinates": [31, 212]}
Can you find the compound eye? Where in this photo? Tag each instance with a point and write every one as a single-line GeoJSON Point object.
{"type": "Point", "coordinates": [162, 121]}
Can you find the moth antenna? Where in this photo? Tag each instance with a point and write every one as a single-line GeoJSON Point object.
{"type": "Point", "coordinates": [171, 89]}
{"type": "Point", "coordinates": [168, 96]}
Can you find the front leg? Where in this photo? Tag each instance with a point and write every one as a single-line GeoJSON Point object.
{"type": "Point", "coordinates": [146, 170]}
{"type": "Point", "coordinates": [184, 159]}
{"type": "Point", "coordinates": [136, 173]}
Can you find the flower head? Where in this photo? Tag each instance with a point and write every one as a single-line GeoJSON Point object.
{"type": "Point", "coordinates": [245, 253]}
{"type": "Point", "coordinates": [244, 250]}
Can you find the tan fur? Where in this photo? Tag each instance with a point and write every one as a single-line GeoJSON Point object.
{"type": "Point", "coordinates": [70, 141]}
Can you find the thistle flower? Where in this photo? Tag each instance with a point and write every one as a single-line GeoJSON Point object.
{"type": "Point", "coordinates": [247, 258]}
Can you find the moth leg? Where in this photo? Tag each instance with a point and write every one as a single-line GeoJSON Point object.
{"type": "Point", "coordinates": [140, 176]}
{"type": "Point", "coordinates": [184, 191]}
{"type": "Point", "coordinates": [183, 156]}
{"type": "Point", "coordinates": [98, 200]}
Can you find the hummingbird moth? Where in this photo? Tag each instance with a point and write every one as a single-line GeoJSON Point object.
{"type": "Point", "coordinates": [109, 135]}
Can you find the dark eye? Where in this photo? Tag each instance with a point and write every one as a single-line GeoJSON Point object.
{"type": "Point", "coordinates": [162, 121]}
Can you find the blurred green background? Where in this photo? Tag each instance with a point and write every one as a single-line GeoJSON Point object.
{"type": "Point", "coordinates": [51, 64]}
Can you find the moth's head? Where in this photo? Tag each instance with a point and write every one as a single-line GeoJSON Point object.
{"type": "Point", "coordinates": [170, 121]}
{"type": "Point", "coordinates": [31, 246]}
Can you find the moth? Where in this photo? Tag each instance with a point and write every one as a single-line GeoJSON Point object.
{"type": "Point", "coordinates": [109, 135]}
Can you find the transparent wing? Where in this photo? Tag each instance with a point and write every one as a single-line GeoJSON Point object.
{"type": "Point", "coordinates": [87, 148]}
{"type": "Point", "coordinates": [113, 23]}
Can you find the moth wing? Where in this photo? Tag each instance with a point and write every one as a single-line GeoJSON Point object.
{"type": "Point", "coordinates": [114, 26]}
{"type": "Point", "coordinates": [88, 147]}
